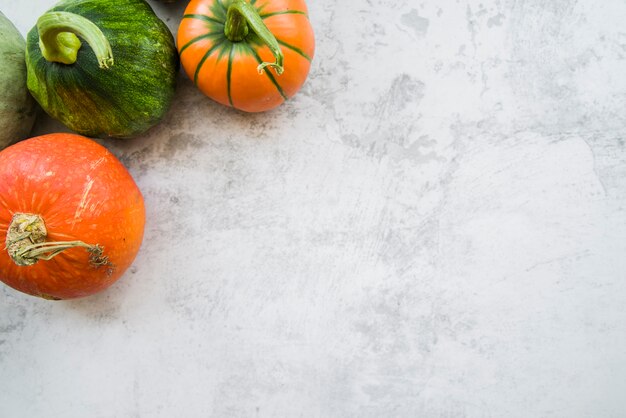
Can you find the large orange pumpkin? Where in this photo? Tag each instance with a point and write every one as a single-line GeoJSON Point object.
{"type": "Point", "coordinates": [251, 55]}
{"type": "Point", "coordinates": [71, 216]}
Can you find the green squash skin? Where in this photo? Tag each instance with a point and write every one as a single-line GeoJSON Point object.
{"type": "Point", "coordinates": [121, 101]}
{"type": "Point", "coordinates": [17, 108]}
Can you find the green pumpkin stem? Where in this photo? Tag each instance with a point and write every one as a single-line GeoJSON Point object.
{"type": "Point", "coordinates": [240, 18]}
{"type": "Point", "coordinates": [58, 38]}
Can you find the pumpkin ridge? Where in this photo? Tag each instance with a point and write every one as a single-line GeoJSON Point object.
{"type": "Point", "coordinates": [100, 93]}
{"type": "Point", "coordinates": [295, 49]}
{"type": "Point", "coordinates": [203, 17]}
{"type": "Point", "coordinates": [204, 58]}
{"type": "Point", "coordinates": [284, 12]}
{"type": "Point", "coordinates": [229, 72]}
{"type": "Point", "coordinates": [267, 72]}
{"type": "Point", "coordinates": [198, 38]}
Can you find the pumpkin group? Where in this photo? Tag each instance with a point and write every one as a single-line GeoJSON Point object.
{"type": "Point", "coordinates": [71, 216]}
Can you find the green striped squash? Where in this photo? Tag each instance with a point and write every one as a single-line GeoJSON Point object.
{"type": "Point", "coordinates": [104, 68]}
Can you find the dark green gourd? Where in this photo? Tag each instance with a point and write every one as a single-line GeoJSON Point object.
{"type": "Point", "coordinates": [17, 107]}
{"type": "Point", "coordinates": [102, 67]}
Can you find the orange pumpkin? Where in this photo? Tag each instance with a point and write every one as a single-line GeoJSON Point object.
{"type": "Point", "coordinates": [71, 216]}
{"type": "Point", "coordinates": [249, 55]}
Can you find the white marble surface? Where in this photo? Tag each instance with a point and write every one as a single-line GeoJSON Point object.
{"type": "Point", "coordinates": [434, 227]}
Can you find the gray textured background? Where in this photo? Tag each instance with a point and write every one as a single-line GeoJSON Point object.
{"type": "Point", "coordinates": [434, 227]}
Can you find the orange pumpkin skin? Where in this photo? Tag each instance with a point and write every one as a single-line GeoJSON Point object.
{"type": "Point", "coordinates": [227, 72]}
{"type": "Point", "coordinates": [83, 193]}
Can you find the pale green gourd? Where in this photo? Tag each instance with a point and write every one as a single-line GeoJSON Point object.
{"type": "Point", "coordinates": [17, 107]}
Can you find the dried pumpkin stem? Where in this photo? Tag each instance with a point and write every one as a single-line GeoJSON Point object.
{"type": "Point", "coordinates": [26, 243]}
{"type": "Point", "coordinates": [58, 38]}
{"type": "Point", "coordinates": [49, 250]}
{"type": "Point", "coordinates": [242, 17]}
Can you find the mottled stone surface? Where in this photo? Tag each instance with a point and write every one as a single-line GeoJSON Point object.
{"type": "Point", "coordinates": [434, 227]}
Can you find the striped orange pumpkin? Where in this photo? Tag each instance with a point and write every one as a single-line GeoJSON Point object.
{"type": "Point", "coordinates": [251, 55]}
